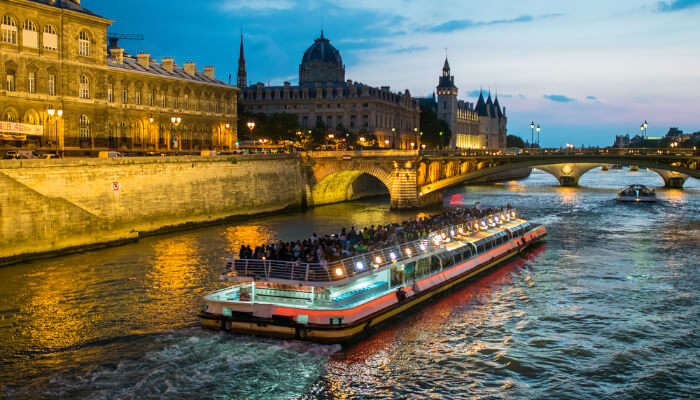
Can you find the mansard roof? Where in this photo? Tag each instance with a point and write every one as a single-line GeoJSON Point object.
{"type": "Point", "coordinates": [131, 64]}
{"type": "Point", "coordinates": [67, 5]}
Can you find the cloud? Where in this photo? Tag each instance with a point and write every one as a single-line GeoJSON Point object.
{"type": "Point", "coordinates": [462, 24]}
{"type": "Point", "coordinates": [230, 5]}
{"type": "Point", "coordinates": [409, 49]}
{"type": "Point", "coordinates": [677, 5]}
{"type": "Point", "coordinates": [591, 98]}
{"type": "Point", "coordinates": [559, 98]}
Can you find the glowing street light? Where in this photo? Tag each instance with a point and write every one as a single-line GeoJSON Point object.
{"type": "Point", "coordinates": [538, 135]}
{"type": "Point", "coordinates": [532, 133]}
{"type": "Point", "coordinates": [251, 126]}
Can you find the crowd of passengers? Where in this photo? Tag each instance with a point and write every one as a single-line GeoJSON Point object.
{"type": "Point", "coordinates": [353, 242]}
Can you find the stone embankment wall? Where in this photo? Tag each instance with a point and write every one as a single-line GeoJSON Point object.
{"type": "Point", "coordinates": [53, 206]}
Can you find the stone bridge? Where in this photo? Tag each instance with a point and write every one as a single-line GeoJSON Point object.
{"type": "Point", "coordinates": [415, 179]}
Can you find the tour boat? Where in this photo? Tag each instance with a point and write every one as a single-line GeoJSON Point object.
{"type": "Point", "coordinates": [339, 301]}
{"type": "Point", "coordinates": [637, 193]}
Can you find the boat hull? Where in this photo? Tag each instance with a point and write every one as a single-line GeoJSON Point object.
{"type": "Point", "coordinates": [289, 329]}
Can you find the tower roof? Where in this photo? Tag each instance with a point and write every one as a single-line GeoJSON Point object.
{"type": "Point", "coordinates": [446, 67]}
{"type": "Point", "coordinates": [481, 108]}
{"type": "Point", "coordinates": [322, 50]}
{"type": "Point", "coordinates": [241, 57]}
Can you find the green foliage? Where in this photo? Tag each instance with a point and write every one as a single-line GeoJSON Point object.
{"type": "Point", "coordinates": [436, 132]}
{"type": "Point", "coordinates": [278, 126]}
{"type": "Point", "coordinates": [515, 141]}
{"type": "Point", "coordinates": [234, 160]}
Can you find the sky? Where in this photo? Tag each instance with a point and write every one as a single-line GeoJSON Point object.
{"type": "Point", "coordinates": [584, 70]}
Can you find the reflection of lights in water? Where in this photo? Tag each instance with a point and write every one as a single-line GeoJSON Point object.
{"type": "Point", "coordinates": [568, 195]}
{"type": "Point", "coordinates": [173, 272]}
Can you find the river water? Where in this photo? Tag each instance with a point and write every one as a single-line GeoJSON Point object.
{"type": "Point", "coordinates": [608, 307]}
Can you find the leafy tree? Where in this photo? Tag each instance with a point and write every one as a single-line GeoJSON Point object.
{"type": "Point", "coordinates": [276, 127]}
{"type": "Point", "coordinates": [436, 132]}
{"type": "Point", "coordinates": [514, 141]}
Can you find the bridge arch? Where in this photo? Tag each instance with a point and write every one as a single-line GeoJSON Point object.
{"type": "Point", "coordinates": [348, 185]}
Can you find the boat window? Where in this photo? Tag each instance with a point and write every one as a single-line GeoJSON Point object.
{"type": "Point", "coordinates": [397, 276]}
{"type": "Point", "coordinates": [423, 267]}
{"type": "Point", "coordinates": [410, 271]}
{"type": "Point", "coordinates": [458, 257]}
{"type": "Point", "coordinates": [435, 264]}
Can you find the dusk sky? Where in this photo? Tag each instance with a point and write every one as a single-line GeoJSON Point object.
{"type": "Point", "coordinates": [584, 70]}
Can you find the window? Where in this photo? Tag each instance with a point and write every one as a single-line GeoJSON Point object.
{"type": "Point", "coordinates": [152, 98]}
{"type": "Point", "coordinates": [10, 79]}
{"type": "Point", "coordinates": [138, 97]}
{"type": "Point", "coordinates": [163, 101]}
{"type": "Point", "coordinates": [52, 85]}
{"type": "Point", "coordinates": [84, 87]}
{"type": "Point", "coordinates": [9, 30]}
{"type": "Point", "coordinates": [31, 82]}
{"type": "Point", "coordinates": [84, 44]}
{"type": "Point", "coordinates": [30, 35]}
{"type": "Point", "coordinates": [110, 93]}
{"type": "Point", "coordinates": [186, 102]}
{"type": "Point", "coordinates": [50, 38]}
{"type": "Point", "coordinates": [84, 127]}
{"type": "Point", "coordinates": [10, 116]}
{"type": "Point", "coordinates": [125, 96]}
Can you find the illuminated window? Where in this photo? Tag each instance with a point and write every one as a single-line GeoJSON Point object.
{"type": "Point", "coordinates": [138, 97]}
{"type": "Point", "coordinates": [84, 44]}
{"type": "Point", "coordinates": [125, 96]}
{"type": "Point", "coordinates": [84, 87]}
{"type": "Point", "coordinates": [31, 82]}
{"type": "Point", "coordinates": [110, 93]}
{"type": "Point", "coordinates": [30, 35]}
{"type": "Point", "coordinates": [84, 127]}
{"type": "Point", "coordinates": [50, 38]}
{"type": "Point", "coordinates": [186, 102]}
{"type": "Point", "coordinates": [163, 101]}
{"type": "Point", "coordinates": [52, 85]}
{"type": "Point", "coordinates": [9, 30]}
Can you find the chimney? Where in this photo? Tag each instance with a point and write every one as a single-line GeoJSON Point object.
{"type": "Point", "coordinates": [144, 59]}
{"type": "Point", "coordinates": [117, 55]}
{"type": "Point", "coordinates": [190, 68]}
{"type": "Point", "coordinates": [209, 72]}
{"type": "Point", "coordinates": [167, 64]}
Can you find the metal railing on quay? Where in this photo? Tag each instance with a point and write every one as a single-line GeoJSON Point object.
{"type": "Point", "coordinates": [265, 270]}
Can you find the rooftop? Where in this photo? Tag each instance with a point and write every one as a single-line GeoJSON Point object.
{"type": "Point", "coordinates": [70, 5]}
{"type": "Point", "coordinates": [131, 64]}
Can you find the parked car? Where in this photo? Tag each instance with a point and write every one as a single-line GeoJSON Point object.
{"type": "Point", "coordinates": [21, 154]}
{"type": "Point", "coordinates": [110, 154]}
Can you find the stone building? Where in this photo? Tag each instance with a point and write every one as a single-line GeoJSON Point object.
{"type": "Point", "coordinates": [324, 98]}
{"type": "Point", "coordinates": [64, 90]}
{"type": "Point", "coordinates": [472, 127]}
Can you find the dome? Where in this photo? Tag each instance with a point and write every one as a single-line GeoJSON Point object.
{"type": "Point", "coordinates": [322, 50]}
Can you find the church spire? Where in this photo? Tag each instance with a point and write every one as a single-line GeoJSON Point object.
{"type": "Point", "coordinates": [242, 75]}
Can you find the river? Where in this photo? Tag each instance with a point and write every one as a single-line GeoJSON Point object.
{"type": "Point", "coordinates": [607, 307]}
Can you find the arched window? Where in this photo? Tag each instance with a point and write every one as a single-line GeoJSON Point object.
{"type": "Point", "coordinates": [52, 84]}
{"type": "Point", "coordinates": [30, 35]}
{"type": "Point", "coordinates": [50, 38]}
{"type": "Point", "coordinates": [186, 102]}
{"type": "Point", "coordinates": [125, 96]}
{"type": "Point", "coordinates": [84, 87]}
{"type": "Point", "coordinates": [84, 44]}
{"type": "Point", "coordinates": [9, 30]}
{"type": "Point", "coordinates": [84, 127]}
{"type": "Point", "coordinates": [10, 116]}
{"type": "Point", "coordinates": [10, 81]}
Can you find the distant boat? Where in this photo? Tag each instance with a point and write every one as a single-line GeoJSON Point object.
{"type": "Point", "coordinates": [634, 168]}
{"type": "Point", "coordinates": [604, 168]}
{"type": "Point", "coordinates": [637, 194]}
{"type": "Point", "coordinates": [617, 166]}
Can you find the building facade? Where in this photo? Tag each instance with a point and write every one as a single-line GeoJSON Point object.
{"type": "Point", "coordinates": [63, 90]}
{"type": "Point", "coordinates": [324, 98]}
{"type": "Point", "coordinates": [480, 126]}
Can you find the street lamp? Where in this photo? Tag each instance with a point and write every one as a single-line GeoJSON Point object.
{"type": "Point", "coordinates": [251, 126]}
{"type": "Point", "coordinates": [58, 113]}
{"type": "Point", "coordinates": [532, 133]}
{"type": "Point", "coordinates": [177, 141]}
{"type": "Point", "coordinates": [393, 137]}
{"type": "Point", "coordinates": [538, 135]}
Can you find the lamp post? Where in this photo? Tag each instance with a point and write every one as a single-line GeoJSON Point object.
{"type": "Point", "coordinates": [532, 133]}
{"type": "Point", "coordinates": [58, 114]}
{"type": "Point", "coordinates": [177, 141]}
{"type": "Point", "coordinates": [538, 135]}
{"type": "Point", "coordinates": [393, 138]}
{"type": "Point", "coordinates": [251, 126]}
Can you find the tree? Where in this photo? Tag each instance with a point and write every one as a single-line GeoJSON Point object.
{"type": "Point", "coordinates": [436, 132]}
{"type": "Point", "coordinates": [514, 141]}
{"type": "Point", "coordinates": [276, 127]}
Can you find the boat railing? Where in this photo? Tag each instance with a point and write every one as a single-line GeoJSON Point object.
{"type": "Point", "coordinates": [332, 271]}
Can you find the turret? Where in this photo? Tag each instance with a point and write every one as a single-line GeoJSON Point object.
{"type": "Point", "coordinates": [242, 75]}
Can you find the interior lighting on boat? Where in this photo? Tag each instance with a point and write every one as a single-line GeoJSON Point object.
{"type": "Point", "coordinates": [512, 214]}
{"type": "Point", "coordinates": [377, 260]}
{"type": "Point", "coordinates": [392, 256]}
{"type": "Point", "coordinates": [476, 226]}
{"type": "Point", "coordinates": [452, 232]}
{"type": "Point", "coordinates": [359, 266]}
{"type": "Point", "coordinates": [338, 272]}
{"type": "Point", "coordinates": [460, 230]}
{"type": "Point", "coordinates": [408, 252]}
{"type": "Point", "coordinates": [423, 247]}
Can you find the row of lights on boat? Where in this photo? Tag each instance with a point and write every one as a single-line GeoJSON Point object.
{"type": "Point", "coordinates": [484, 224]}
